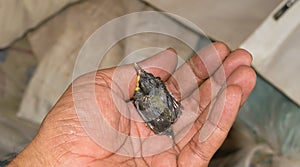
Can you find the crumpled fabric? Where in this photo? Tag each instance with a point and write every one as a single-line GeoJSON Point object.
{"type": "Point", "coordinates": [17, 64]}
{"type": "Point", "coordinates": [57, 43]}
{"type": "Point", "coordinates": [17, 17]}
{"type": "Point", "coordinates": [266, 133]}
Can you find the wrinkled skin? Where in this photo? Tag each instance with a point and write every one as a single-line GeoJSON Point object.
{"type": "Point", "coordinates": [62, 141]}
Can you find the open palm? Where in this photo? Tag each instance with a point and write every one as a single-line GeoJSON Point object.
{"type": "Point", "coordinates": [211, 87]}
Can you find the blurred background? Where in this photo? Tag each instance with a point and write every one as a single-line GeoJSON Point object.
{"type": "Point", "coordinates": [40, 40]}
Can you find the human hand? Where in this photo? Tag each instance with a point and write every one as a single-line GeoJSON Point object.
{"type": "Point", "coordinates": [211, 87]}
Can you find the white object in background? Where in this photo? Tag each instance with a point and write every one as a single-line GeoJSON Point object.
{"type": "Point", "coordinates": [275, 49]}
{"type": "Point", "coordinates": [230, 21]}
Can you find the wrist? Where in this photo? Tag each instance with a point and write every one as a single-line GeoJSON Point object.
{"type": "Point", "coordinates": [32, 155]}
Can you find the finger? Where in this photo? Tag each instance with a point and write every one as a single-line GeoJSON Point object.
{"type": "Point", "coordinates": [243, 76]}
{"type": "Point", "coordinates": [204, 144]}
{"type": "Point", "coordinates": [235, 70]}
{"type": "Point", "coordinates": [201, 100]}
{"type": "Point", "coordinates": [192, 73]}
{"type": "Point", "coordinates": [236, 63]}
{"type": "Point", "coordinates": [236, 58]}
{"type": "Point", "coordinates": [123, 78]}
{"type": "Point", "coordinates": [208, 90]}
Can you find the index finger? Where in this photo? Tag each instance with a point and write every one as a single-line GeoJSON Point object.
{"type": "Point", "coordinates": [197, 69]}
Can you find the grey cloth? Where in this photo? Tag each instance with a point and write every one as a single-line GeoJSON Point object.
{"type": "Point", "coordinates": [19, 16]}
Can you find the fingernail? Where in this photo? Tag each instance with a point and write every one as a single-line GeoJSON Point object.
{"type": "Point", "coordinates": [172, 50]}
